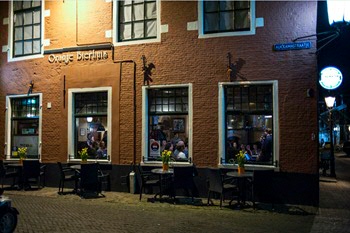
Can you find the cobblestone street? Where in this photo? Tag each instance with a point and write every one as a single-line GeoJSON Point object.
{"type": "Point", "coordinates": [45, 211]}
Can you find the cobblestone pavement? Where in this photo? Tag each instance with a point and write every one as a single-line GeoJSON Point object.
{"type": "Point", "coordinates": [46, 211]}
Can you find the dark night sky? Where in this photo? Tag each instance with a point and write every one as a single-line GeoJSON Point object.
{"type": "Point", "coordinates": [337, 53]}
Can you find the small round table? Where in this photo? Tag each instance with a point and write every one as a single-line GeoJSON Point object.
{"type": "Point", "coordinates": [164, 181]}
{"type": "Point", "coordinates": [242, 185]}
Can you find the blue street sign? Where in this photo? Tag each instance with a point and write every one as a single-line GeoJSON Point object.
{"type": "Point", "coordinates": [292, 46]}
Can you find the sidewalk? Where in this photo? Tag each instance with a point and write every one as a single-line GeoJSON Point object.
{"type": "Point", "coordinates": [334, 209]}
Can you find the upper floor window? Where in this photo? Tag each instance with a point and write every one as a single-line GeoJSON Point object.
{"type": "Point", "coordinates": [23, 125]}
{"type": "Point", "coordinates": [226, 18]}
{"type": "Point", "coordinates": [26, 28]}
{"type": "Point", "coordinates": [137, 20]}
{"type": "Point", "coordinates": [249, 122]}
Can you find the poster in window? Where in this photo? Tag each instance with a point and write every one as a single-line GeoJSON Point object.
{"type": "Point", "coordinates": [179, 125]}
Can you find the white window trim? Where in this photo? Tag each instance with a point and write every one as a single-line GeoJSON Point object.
{"type": "Point", "coordinates": [222, 34]}
{"type": "Point", "coordinates": [10, 35]}
{"type": "Point", "coordinates": [145, 120]}
{"type": "Point", "coordinates": [275, 130]}
{"type": "Point", "coordinates": [71, 126]}
{"type": "Point", "coordinates": [141, 41]}
{"type": "Point", "coordinates": [8, 117]}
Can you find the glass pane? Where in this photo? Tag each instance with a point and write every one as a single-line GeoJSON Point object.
{"type": "Point", "coordinates": [36, 3]}
{"type": "Point", "coordinates": [242, 19]}
{"type": "Point", "coordinates": [36, 46]}
{"type": "Point", "coordinates": [227, 5]}
{"type": "Point", "coordinates": [125, 31]}
{"type": "Point", "coordinates": [28, 18]}
{"type": "Point", "coordinates": [17, 5]}
{"type": "Point", "coordinates": [151, 10]}
{"type": "Point", "coordinates": [151, 29]}
{"type": "Point", "coordinates": [18, 33]}
{"type": "Point", "coordinates": [18, 19]}
{"type": "Point", "coordinates": [172, 107]}
{"type": "Point", "coordinates": [18, 48]}
{"type": "Point", "coordinates": [92, 135]}
{"type": "Point", "coordinates": [28, 32]}
{"type": "Point", "coordinates": [242, 4]}
{"type": "Point", "coordinates": [211, 22]}
{"type": "Point", "coordinates": [226, 21]}
{"type": "Point", "coordinates": [36, 16]}
{"type": "Point", "coordinates": [36, 31]}
{"type": "Point", "coordinates": [28, 47]}
{"type": "Point", "coordinates": [27, 4]}
{"type": "Point", "coordinates": [125, 15]}
{"type": "Point", "coordinates": [138, 12]}
{"type": "Point", "coordinates": [138, 30]}
{"type": "Point", "coordinates": [211, 6]}
{"type": "Point", "coordinates": [138, 1]}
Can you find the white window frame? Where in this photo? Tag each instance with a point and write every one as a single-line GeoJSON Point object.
{"type": "Point", "coordinates": [201, 33]}
{"type": "Point", "coordinates": [145, 122]}
{"type": "Point", "coordinates": [136, 41]}
{"type": "Point", "coordinates": [222, 123]}
{"type": "Point", "coordinates": [71, 123]}
{"type": "Point", "coordinates": [8, 129]}
{"type": "Point", "coordinates": [10, 56]}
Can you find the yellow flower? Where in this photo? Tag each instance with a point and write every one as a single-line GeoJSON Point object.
{"type": "Point", "coordinates": [166, 154]}
{"type": "Point", "coordinates": [22, 152]}
{"type": "Point", "coordinates": [240, 158]}
{"type": "Point", "coordinates": [83, 154]}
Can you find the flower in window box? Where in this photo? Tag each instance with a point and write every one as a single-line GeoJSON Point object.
{"type": "Point", "coordinates": [83, 154]}
{"type": "Point", "coordinates": [166, 155]}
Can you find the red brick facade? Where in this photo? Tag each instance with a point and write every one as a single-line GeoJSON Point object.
{"type": "Point", "coordinates": [180, 57]}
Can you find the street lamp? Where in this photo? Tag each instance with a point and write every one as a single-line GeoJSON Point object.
{"type": "Point", "coordinates": [330, 103]}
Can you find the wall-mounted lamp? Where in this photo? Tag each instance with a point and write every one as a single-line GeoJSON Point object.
{"type": "Point", "coordinates": [329, 101]}
{"type": "Point", "coordinates": [338, 12]}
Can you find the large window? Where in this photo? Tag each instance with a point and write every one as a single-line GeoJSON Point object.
{"type": "Point", "coordinates": [26, 28]}
{"type": "Point", "coordinates": [23, 126]}
{"type": "Point", "coordinates": [167, 121]}
{"type": "Point", "coordinates": [89, 123]}
{"type": "Point", "coordinates": [137, 20]}
{"type": "Point", "coordinates": [226, 18]}
{"type": "Point", "coordinates": [249, 122]}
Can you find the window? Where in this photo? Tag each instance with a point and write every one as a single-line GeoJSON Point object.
{"type": "Point", "coordinates": [137, 20]}
{"type": "Point", "coordinates": [249, 122]}
{"type": "Point", "coordinates": [89, 123]}
{"type": "Point", "coordinates": [26, 22]}
{"type": "Point", "coordinates": [226, 18]}
{"type": "Point", "coordinates": [167, 121]}
{"type": "Point", "coordinates": [23, 125]}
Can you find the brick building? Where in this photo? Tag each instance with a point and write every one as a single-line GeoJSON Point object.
{"type": "Point", "coordinates": [217, 80]}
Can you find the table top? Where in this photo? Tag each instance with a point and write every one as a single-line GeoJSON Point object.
{"type": "Point", "coordinates": [14, 165]}
{"type": "Point", "coordinates": [161, 171]}
{"type": "Point", "coordinates": [238, 175]}
{"type": "Point", "coordinates": [76, 166]}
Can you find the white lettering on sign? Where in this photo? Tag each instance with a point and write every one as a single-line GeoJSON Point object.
{"type": "Point", "coordinates": [81, 56]}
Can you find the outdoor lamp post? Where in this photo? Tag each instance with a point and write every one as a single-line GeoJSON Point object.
{"type": "Point", "coordinates": [330, 103]}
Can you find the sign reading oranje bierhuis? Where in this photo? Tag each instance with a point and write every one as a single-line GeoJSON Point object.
{"type": "Point", "coordinates": [79, 56]}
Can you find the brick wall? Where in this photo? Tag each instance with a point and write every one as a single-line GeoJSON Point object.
{"type": "Point", "coordinates": [180, 58]}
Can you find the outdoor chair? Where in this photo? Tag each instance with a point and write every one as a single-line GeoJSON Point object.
{"type": "Point", "coordinates": [8, 173]}
{"type": "Point", "coordinates": [263, 187]}
{"type": "Point", "coordinates": [33, 172]}
{"type": "Point", "coordinates": [67, 174]}
{"type": "Point", "coordinates": [218, 185]}
{"type": "Point", "coordinates": [145, 180]}
{"type": "Point", "coordinates": [104, 178]}
{"type": "Point", "coordinates": [183, 179]}
{"type": "Point", "coordinates": [90, 182]}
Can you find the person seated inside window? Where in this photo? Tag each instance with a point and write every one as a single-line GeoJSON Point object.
{"type": "Point", "coordinates": [179, 152]}
{"type": "Point", "coordinates": [102, 151]}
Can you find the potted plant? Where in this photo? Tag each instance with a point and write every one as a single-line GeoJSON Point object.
{"type": "Point", "coordinates": [240, 158]}
{"type": "Point", "coordinates": [22, 153]}
{"type": "Point", "coordinates": [83, 154]}
{"type": "Point", "coordinates": [166, 154]}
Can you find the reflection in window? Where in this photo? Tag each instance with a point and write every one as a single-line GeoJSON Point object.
{"type": "Point", "coordinates": [249, 122]}
{"type": "Point", "coordinates": [168, 123]}
{"type": "Point", "coordinates": [25, 125]}
{"type": "Point", "coordinates": [226, 16]}
{"type": "Point", "coordinates": [90, 113]}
